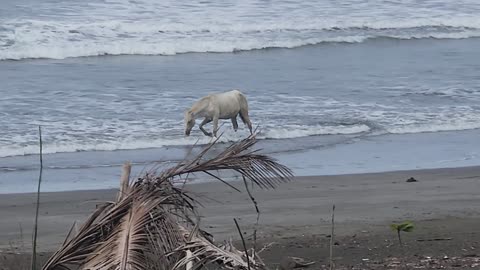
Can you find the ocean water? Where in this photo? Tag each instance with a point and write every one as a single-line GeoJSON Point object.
{"type": "Point", "coordinates": [110, 77]}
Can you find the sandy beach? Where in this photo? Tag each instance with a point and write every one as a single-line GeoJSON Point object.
{"type": "Point", "coordinates": [443, 204]}
{"type": "Point", "coordinates": [355, 97]}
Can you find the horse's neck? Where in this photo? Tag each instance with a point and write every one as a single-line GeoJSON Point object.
{"type": "Point", "coordinates": [198, 108]}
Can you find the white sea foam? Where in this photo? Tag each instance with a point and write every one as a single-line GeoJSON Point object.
{"type": "Point", "coordinates": [63, 48]}
{"type": "Point", "coordinates": [297, 131]}
{"type": "Point", "coordinates": [435, 127]}
{"type": "Point", "coordinates": [294, 117]}
{"type": "Point", "coordinates": [128, 47]}
{"type": "Point", "coordinates": [458, 91]}
{"type": "Point", "coordinates": [284, 132]}
{"type": "Point", "coordinates": [150, 28]}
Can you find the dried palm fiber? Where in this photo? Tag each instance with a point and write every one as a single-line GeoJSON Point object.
{"type": "Point", "coordinates": [154, 224]}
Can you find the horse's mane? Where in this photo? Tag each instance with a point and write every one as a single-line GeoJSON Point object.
{"type": "Point", "coordinates": [199, 104]}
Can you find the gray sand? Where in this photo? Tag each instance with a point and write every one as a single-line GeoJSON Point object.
{"type": "Point", "coordinates": [298, 208]}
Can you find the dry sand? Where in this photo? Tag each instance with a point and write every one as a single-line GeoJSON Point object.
{"type": "Point", "coordinates": [444, 205]}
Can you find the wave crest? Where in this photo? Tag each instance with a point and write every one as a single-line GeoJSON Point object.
{"type": "Point", "coordinates": [58, 40]}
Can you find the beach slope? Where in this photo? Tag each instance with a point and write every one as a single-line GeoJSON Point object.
{"type": "Point", "coordinates": [444, 204]}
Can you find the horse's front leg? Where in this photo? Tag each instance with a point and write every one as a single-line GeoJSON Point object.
{"type": "Point", "coordinates": [204, 122]}
{"type": "Point", "coordinates": [234, 123]}
{"type": "Point", "coordinates": [215, 125]}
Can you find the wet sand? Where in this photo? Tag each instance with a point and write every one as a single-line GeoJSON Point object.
{"type": "Point", "coordinates": [306, 156]}
{"type": "Point", "coordinates": [297, 214]}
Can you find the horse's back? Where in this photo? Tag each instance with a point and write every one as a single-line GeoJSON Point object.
{"type": "Point", "coordinates": [237, 94]}
{"type": "Point", "coordinates": [229, 103]}
{"type": "Point", "coordinates": [230, 93]}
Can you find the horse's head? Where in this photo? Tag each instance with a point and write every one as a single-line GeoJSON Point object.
{"type": "Point", "coordinates": [189, 122]}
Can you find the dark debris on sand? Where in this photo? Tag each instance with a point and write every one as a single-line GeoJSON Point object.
{"type": "Point", "coordinates": [373, 250]}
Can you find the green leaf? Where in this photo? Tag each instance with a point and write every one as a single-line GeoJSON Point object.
{"type": "Point", "coordinates": [406, 226]}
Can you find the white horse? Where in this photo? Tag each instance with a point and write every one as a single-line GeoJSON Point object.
{"type": "Point", "coordinates": [226, 105]}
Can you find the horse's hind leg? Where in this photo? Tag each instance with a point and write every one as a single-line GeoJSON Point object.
{"type": "Point", "coordinates": [204, 122]}
{"type": "Point", "coordinates": [246, 119]}
{"type": "Point", "coordinates": [234, 123]}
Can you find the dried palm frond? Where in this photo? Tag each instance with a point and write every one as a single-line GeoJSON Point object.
{"type": "Point", "coordinates": [260, 169]}
{"type": "Point", "coordinates": [165, 235]}
{"type": "Point", "coordinates": [153, 223]}
{"type": "Point", "coordinates": [204, 252]}
{"type": "Point", "coordinates": [76, 249]}
{"type": "Point", "coordinates": [125, 245]}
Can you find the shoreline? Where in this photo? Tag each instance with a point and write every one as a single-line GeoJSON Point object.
{"type": "Point", "coordinates": [318, 155]}
{"type": "Point", "coordinates": [235, 179]}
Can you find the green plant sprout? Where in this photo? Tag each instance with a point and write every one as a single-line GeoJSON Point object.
{"type": "Point", "coordinates": [406, 226]}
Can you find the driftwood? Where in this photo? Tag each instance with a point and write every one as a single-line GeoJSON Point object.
{"type": "Point", "coordinates": [153, 224]}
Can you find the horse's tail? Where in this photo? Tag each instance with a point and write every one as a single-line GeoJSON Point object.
{"type": "Point", "coordinates": [243, 101]}
{"type": "Point", "coordinates": [244, 110]}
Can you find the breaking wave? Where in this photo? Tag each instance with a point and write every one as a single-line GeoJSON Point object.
{"type": "Point", "coordinates": [285, 132]}
{"type": "Point", "coordinates": [59, 40]}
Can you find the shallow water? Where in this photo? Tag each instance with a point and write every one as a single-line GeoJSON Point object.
{"type": "Point", "coordinates": [132, 102]}
{"type": "Point", "coordinates": [404, 69]}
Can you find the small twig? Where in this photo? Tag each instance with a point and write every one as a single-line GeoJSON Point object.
{"type": "Point", "coordinates": [185, 181]}
{"type": "Point", "coordinates": [258, 214]}
{"type": "Point", "coordinates": [401, 249]}
{"type": "Point", "coordinates": [399, 239]}
{"type": "Point", "coordinates": [186, 156]}
{"type": "Point", "coordinates": [434, 239]}
{"type": "Point", "coordinates": [21, 236]}
{"type": "Point", "coordinates": [24, 264]}
{"type": "Point", "coordinates": [70, 233]}
{"type": "Point", "coordinates": [124, 180]}
{"type": "Point", "coordinates": [221, 180]}
{"type": "Point", "coordinates": [332, 236]}
{"type": "Point", "coordinates": [35, 227]}
{"type": "Point", "coordinates": [243, 242]}
{"type": "Point", "coordinates": [266, 247]}
{"type": "Point", "coordinates": [189, 255]}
